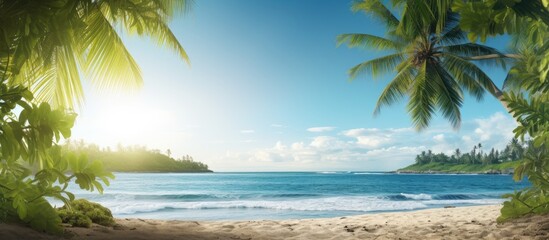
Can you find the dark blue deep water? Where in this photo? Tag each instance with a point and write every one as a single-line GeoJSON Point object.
{"type": "Point", "coordinates": [244, 196]}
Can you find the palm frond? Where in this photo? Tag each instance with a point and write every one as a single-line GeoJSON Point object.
{"type": "Point", "coordinates": [378, 10]}
{"type": "Point", "coordinates": [54, 45]}
{"type": "Point", "coordinates": [444, 18]}
{"type": "Point", "coordinates": [367, 41]}
{"type": "Point", "coordinates": [533, 9]}
{"type": "Point", "coordinates": [452, 36]}
{"type": "Point", "coordinates": [421, 105]}
{"type": "Point", "coordinates": [465, 80]}
{"type": "Point", "coordinates": [416, 16]}
{"type": "Point", "coordinates": [397, 88]}
{"type": "Point", "coordinates": [55, 82]}
{"type": "Point", "coordinates": [377, 66]}
{"type": "Point", "coordinates": [68, 86]}
{"type": "Point", "coordinates": [164, 37]}
{"type": "Point", "coordinates": [524, 74]}
{"type": "Point", "coordinates": [449, 94]}
{"type": "Point", "coordinates": [107, 62]}
{"type": "Point", "coordinates": [148, 21]}
{"type": "Point", "coordinates": [461, 65]}
{"type": "Point", "coordinates": [466, 50]}
{"type": "Point", "coordinates": [172, 7]}
{"type": "Point", "coordinates": [53, 75]}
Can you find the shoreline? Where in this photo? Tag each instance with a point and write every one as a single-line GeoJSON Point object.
{"type": "Point", "coordinates": [449, 172]}
{"type": "Point", "coordinates": [475, 222]}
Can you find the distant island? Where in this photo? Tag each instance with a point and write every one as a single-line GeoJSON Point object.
{"type": "Point", "coordinates": [476, 161]}
{"type": "Point", "coordinates": [138, 159]}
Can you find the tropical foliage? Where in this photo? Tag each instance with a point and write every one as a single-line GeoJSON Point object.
{"type": "Point", "coordinates": [430, 55]}
{"type": "Point", "coordinates": [513, 151]}
{"type": "Point", "coordinates": [136, 159]}
{"type": "Point", "coordinates": [461, 168]}
{"type": "Point", "coordinates": [527, 94]}
{"type": "Point", "coordinates": [48, 45]}
{"type": "Point", "coordinates": [82, 213]}
{"type": "Point", "coordinates": [423, 25]}
{"type": "Point", "coordinates": [32, 166]}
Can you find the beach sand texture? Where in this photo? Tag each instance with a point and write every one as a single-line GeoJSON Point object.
{"type": "Point", "coordinates": [476, 222]}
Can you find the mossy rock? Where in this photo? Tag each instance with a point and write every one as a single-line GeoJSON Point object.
{"type": "Point", "coordinates": [74, 218]}
{"type": "Point", "coordinates": [81, 208]}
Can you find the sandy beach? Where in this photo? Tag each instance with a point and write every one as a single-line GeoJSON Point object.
{"type": "Point", "coordinates": [476, 222]}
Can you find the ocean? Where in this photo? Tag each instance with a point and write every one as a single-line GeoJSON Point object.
{"type": "Point", "coordinates": [291, 195]}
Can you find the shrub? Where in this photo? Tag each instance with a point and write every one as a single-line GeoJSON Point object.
{"type": "Point", "coordinates": [82, 208]}
{"type": "Point", "coordinates": [74, 218]}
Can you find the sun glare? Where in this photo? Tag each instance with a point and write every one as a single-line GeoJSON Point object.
{"type": "Point", "coordinates": [134, 123]}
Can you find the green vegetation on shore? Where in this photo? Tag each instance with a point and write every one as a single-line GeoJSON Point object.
{"type": "Point", "coordinates": [475, 161]}
{"type": "Point", "coordinates": [137, 159]}
{"type": "Point", "coordinates": [434, 167]}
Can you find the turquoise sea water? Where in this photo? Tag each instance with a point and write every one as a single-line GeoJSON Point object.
{"type": "Point", "coordinates": [292, 195]}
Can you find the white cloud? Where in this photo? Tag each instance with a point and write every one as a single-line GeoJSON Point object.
{"type": "Point", "coordinates": [320, 129]}
{"type": "Point", "coordinates": [372, 142]}
{"type": "Point", "coordinates": [359, 131]}
{"type": "Point", "coordinates": [395, 153]}
{"type": "Point", "coordinates": [439, 137]}
{"type": "Point", "coordinates": [298, 146]}
{"type": "Point", "coordinates": [377, 149]}
{"type": "Point", "coordinates": [326, 142]}
{"type": "Point", "coordinates": [279, 146]}
{"type": "Point", "coordinates": [496, 125]}
{"type": "Point", "coordinates": [247, 131]}
{"type": "Point", "coordinates": [494, 131]}
{"type": "Point", "coordinates": [374, 137]}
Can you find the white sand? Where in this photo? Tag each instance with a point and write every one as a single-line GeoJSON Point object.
{"type": "Point", "coordinates": [448, 223]}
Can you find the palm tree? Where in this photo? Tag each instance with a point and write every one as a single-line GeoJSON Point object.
{"type": "Point", "coordinates": [430, 56]}
{"type": "Point", "coordinates": [48, 45]}
{"type": "Point", "coordinates": [516, 148]}
{"type": "Point", "coordinates": [474, 154]}
{"type": "Point", "coordinates": [457, 153]}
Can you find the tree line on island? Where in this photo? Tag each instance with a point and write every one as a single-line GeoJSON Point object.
{"type": "Point", "coordinates": [513, 151]}
{"type": "Point", "coordinates": [136, 158]}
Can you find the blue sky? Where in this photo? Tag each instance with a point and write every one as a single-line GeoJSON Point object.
{"type": "Point", "coordinates": [268, 90]}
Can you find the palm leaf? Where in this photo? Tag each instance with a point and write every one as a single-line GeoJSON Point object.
{"type": "Point", "coordinates": [377, 66]}
{"type": "Point", "coordinates": [466, 50]}
{"type": "Point", "coordinates": [149, 21]}
{"type": "Point", "coordinates": [367, 41]}
{"type": "Point", "coordinates": [465, 80]}
{"type": "Point", "coordinates": [67, 84]}
{"type": "Point", "coordinates": [460, 64]}
{"type": "Point", "coordinates": [532, 8]}
{"type": "Point", "coordinates": [449, 94]}
{"type": "Point", "coordinates": [452, 36]}
{"type": "Point", "coordinates": [172, 7]}
{"type": "Point", "coordinates": [164, 37]}
{"type": "Point", "coordinates": [42, 61]}
{"type": "Point", "coordinates": [107, 61]}
{"type": "Point", "coordinates": [378, 10]}
{"type": "Point", "coordinates": [422, 102]}
{"type": "Point", "coordinates": [416, 16]}
{"type": "Point", "coordinates": [397, 88]}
